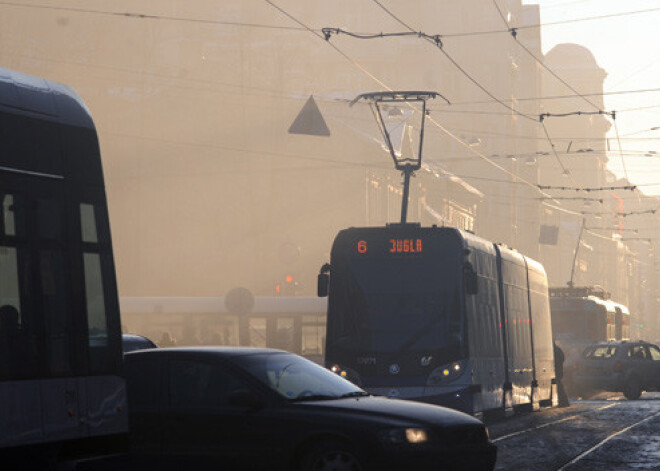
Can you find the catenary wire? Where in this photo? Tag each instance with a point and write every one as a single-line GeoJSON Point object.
{"type": "Point", "coordinates": [514, 34]}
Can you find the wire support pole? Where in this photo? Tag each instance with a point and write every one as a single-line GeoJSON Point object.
{"type": "Point", "coordinates": [407, 173]}
{"type": "Point", "coordinates": [552, 145]}
{"type": "Point", "coordinates": [577, 249]}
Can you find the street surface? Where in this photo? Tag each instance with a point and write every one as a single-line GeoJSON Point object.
{"type": "Point", "coordinates": [604, 433]}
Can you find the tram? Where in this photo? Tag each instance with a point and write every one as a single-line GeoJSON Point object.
{"type": "Point", "coordinates": [582, 315]}
{"type": "Point", "coordinates": [439, 315]}
{"type": "Point", "coordinates": [292, 323]}
{"type": "Point", "coordinates": [61, 393]}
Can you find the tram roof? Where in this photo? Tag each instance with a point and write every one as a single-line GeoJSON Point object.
{"type": "Point", "coordinates": [52, 101]}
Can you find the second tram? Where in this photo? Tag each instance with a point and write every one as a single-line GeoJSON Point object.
{"type": "Point", "coordinates": [583, 315]}
{"type": "Point", "coordinates": [439, 315]}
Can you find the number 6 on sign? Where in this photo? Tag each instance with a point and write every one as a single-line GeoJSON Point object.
{"type": "Point", "coordinates": [362, 246]}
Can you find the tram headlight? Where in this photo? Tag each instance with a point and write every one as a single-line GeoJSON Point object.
{"type": "Point", "coordinates": [347, 373]}
{"type": "Point", "coordinates": [446, 373]}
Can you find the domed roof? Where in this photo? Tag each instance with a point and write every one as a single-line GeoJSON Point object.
{"type": "Point", "coordinates": [570, 56]}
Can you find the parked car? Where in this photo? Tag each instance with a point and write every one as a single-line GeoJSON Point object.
{"type": "Point", "coordinates": [132, 342]}
{"type": "Point", "coordinates": [628, 367]}
{"type": "Point", "coordinates": [234, 408]}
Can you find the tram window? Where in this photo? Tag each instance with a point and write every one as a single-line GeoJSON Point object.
{"type": "Point", "coordinates": [9, 311]}
{"type": "Point", "coordinates": [9, 289]}
{"type": "Point", "coordinates": [49, 219]}
{"type": "Point", "coordinates": [57, 315]}
{"type": "Point", "coordinates": [8, 215]}
{"type": "Point", "coordinates": [13, 215]}
{"type": "Point", "coordinates": [97, 321]}
{"type": "Point", "coordinates": [88, 223]}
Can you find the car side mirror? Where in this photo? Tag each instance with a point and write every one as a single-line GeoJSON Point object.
{"type": "Point", "coordinates": [470, 279]}
{"type": "Point", "coordinates": [323, 282]}
{"type": "Point", "coordinates": [245, 398]}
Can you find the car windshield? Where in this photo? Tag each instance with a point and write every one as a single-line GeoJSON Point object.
{"type": "Point", "coordinates": [600, 352]}
{"type": "Point", "coordinates": [297, 378]}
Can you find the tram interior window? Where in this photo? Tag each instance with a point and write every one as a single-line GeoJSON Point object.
{"type": "Point", "coordinates": [57, 316]}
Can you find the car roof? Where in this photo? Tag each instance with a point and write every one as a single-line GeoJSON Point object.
{"type": "Point", "coordinates": [206, 351]}
{"type": "Point", "coordinates": [620, 342]}
{"type": "Point", "coordinates": [134, 337]}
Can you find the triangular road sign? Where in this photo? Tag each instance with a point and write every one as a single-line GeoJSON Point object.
{"type": "Point", "coordinates": [310, 121]}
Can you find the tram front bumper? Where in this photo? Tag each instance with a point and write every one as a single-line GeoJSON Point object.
{"type": "Point", "coordinates": [461, 398]}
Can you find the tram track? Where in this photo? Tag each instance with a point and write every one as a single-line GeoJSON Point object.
{"type": "Point", "coordinates": [591, 437]}
{"type": "Point", "coordinates": [554, 422]}
{"type": "Point", "coordinates": [604, 441]}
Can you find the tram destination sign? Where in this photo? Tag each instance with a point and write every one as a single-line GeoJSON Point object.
{"type": "Point", "coordinates": [388, 246]}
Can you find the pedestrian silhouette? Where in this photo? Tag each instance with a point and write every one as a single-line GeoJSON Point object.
{"type": "Point", "coordinates": [559, 374]}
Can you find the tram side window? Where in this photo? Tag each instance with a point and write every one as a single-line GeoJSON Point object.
{"type": "Point", "coordinates": [97, 315]}
{"type": "Point", "coordinates": [88, 223]}
{"type": "Point", "coordinates": [10, 311]}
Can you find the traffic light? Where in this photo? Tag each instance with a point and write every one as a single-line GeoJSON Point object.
{"type": "Point", "coordinates": [288, 286]}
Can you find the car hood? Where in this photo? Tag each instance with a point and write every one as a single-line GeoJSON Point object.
{"type": "Point", "coordinates": [397, 409]}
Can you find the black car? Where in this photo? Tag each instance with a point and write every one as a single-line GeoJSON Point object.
{"type": "Point", "coordinates": [132, 342]}
{"type": "Point", "coordinates": [628, 367]}
{"type": "Point", "coordinates": [242, 408]}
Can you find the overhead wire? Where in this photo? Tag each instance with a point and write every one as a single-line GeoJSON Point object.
{"type": "Point", "coordinates": [301, 27]}
{"type": "Point", "coordinates": [435, 40]}
{"type": "Point", "coordinates": [514, 34]}
{"type": "Point", "coordinates": [146, 16]}
{"type": "Point", "coordinates": [446, 131]}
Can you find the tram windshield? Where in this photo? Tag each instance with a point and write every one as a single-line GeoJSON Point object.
{"type": "Point", "coordinates": [401, 305]}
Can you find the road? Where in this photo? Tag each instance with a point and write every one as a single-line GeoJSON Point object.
{"type": "Point", "coordinates": [605, 433]}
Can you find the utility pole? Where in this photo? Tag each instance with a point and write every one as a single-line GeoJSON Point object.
{"type": "Point", "coordinates": [577, 249]}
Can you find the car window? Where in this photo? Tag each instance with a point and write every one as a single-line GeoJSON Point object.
{"type": "Point", "coordinates": [202, 384]}
{"type": "Point", "coordinates": [637, 352]}
{"type": "Point", "coordinates": [601, 352]}
{"type": "Point", "coordinates": [654, 352]}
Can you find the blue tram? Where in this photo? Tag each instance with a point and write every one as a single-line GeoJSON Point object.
{"type": "Point", "coordinates": [439, 315]}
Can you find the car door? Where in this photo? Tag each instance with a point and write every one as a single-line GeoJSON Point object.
{"type": "Point", "coordinates": [654, 354]}
{"type": "Point", "coordinates": [639, 364]}
{"type": "Point", "coordinates": [200, 424]}
{"type": "Point", "coordinates": [144, 386]}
